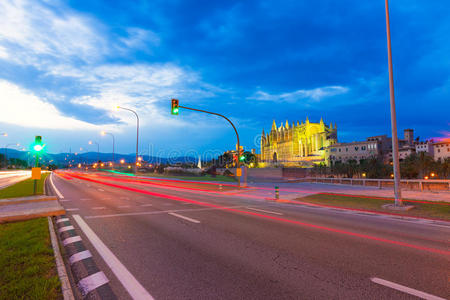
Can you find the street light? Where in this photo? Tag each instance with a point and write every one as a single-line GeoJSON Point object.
{"type": "Point", "coordinates": [6, 149]}
{"type": "Point", "coordinates": [109, 133]}
{"type": "Point", "coordinates": [98, 149]}
{"type": "Point", "coordinates": [395, 155]}
{"type": "Point", "coordinates": [137, 134]}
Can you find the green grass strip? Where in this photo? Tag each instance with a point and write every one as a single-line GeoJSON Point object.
{"type": "Point", "coordinates": [429, 210]}
{"type": "Point", "coordinates": [23, 188]}
{"type": "Point", "coordinates": [27, 264]}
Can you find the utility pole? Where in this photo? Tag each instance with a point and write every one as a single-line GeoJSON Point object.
{"type": "Point", "coordinates": [395, 158]}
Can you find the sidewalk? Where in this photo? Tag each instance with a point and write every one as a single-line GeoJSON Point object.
{"type": "Point", "coordinates": [296, 190]}
{"type": "Point", "coordinates": [25, 208]}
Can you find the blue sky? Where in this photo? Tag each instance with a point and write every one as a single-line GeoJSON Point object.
{"type": "Point", "coordinates": [65, 65]}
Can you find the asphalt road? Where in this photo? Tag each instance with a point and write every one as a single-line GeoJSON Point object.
{"type": "Point", "coordinates": [8, 178]}
{"type": "Point", "coordinates": [190, 244]}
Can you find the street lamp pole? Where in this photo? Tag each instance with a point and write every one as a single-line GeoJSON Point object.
{"type": "Point", "coordinates": [98, 149]}
{"type": "Point", "coordinates": [6, 149]}
{"type": "Point", "coordinates": [112, 135]}
{"type": "Point", "coordinates": [235, 130]}
{"type": "Point", "coordinates": [137, 135]}
{"type": "Point", "coordinates": [395, 156]}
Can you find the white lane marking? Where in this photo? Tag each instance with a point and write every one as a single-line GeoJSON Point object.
{"type": "Point", "coordinates": [156, 212]}
{"type": "Point", "coordinates": [130, 283]}
{"type": "Point", "coordinates": [92, 282]}
{"type": "Point", "coordinates": [144, 205]}
{"type": "Point", "coordinates": [100, 190]}
{"type": "Point", "coordinates": [405, 289]}
{"type": "Point", "coordinates": [62, 220]}
{"type": "Point", "coordinates": [64, 200]}
{"type": "Point", "coordinates": [266, 211]}
{"type": "Point", "coordinates": [79, 256]}
{"type": "Point", "coordinates": [54, 187]}
{"type": "Point", "coordinates": [72, 209]}
{"type": "Point", "coordinates": [99, 207]}
{"type": "Point", "coordinates": [65, 228]}
{"type": "Point", "coordinates": [71, 240]}
{"type": "Point", "coordinates": [123, 206]}
{"type": "Point", "coordinates": [185, 218]}
{"type": "Point", "coordinates": [85, 199]}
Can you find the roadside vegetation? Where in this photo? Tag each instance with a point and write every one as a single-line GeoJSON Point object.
{"type": "Point", "coordinates": [24, 188]}
{"type": "Point", "coordinates": [27, 264]}
{"type": "Point", "coordinates": [415, 166]}
{"type": "Point", "coordinates": [437, 210]}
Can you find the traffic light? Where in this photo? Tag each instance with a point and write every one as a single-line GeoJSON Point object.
{"type": "Point", "coordinates": [38, 146]}
{"type": "Point", "coordinates": [175, 107]}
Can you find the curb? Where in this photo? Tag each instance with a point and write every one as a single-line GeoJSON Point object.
{"type": "Point", "coordinates": [91, 282]}
{"type": "Point", "coordinates": [19, 200]}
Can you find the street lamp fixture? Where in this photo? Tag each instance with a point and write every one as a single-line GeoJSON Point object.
{"type": "Point", "coordinates": [98, 149]}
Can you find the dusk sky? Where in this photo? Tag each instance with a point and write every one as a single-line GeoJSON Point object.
{"type": "Point", "coordinates": [65, 65]}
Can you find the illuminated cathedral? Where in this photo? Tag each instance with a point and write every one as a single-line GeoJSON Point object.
{"type": "Point", "coordinates": [301, 144]}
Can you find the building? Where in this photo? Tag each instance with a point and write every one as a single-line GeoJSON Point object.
{"type": "Point", "coordinates": [343, 152]}
{"type": "Point", "coordinates": [426, 147]}
{"type": "Point", "coordinates": [300, 144]}
{"type": "Point", "coordinates": [441, 150]}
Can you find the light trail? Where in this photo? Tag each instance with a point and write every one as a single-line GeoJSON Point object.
{"type": "Point", "coordinates": [274, 218]}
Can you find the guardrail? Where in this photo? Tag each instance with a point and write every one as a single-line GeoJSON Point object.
{"type": "Point", "coordinates": [411, 184]}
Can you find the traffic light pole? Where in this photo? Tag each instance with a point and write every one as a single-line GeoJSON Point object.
{"type": "Point", "coordinates": [235, 130]}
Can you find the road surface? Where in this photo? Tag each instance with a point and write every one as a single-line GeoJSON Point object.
{"type": "Point", "coordinates": [8, 178]}
{"type": "Point", "coordinates": [179, 241]}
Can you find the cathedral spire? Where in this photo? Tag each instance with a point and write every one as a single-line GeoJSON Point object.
{"type": "Point", "coordinates": [321, 121]}
{"type": "Point", "coordinates": [331, 125]}
{"type": "Point", "coordinates": [307, 120]}
{"type": "Point", "coordinates": [298, 124]}
{"type": "Point", "coordinates": [287, 125]}
{"type": "Point", "coordinates": [263, 134]}
{"type": "Point", "coordinates": [274, 126]}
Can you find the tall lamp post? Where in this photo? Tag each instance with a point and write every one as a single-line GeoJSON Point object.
{"type": "Point", "coordinates": [6, 149]}
{"type": "Point", "coordinates": [109, 133]}
{"type": "Point", "coordinates": [98, 149]}
{"type": "Point", "coordinates": [395, 158]}
{"type": "Point", "coordinates": [137, 135]}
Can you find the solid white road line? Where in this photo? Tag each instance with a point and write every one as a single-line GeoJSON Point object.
{"type": "Point", "coordinates": [65, 228]}
{"type": "Point", "coordinates": [144, 205]}
{"type": "Point", "coordinates": [134, 288]}
{"type": "Point", "coordinates": [266, 211]}
{"type": "Point", "coordinates": [71, 240]}
{"type": "Point", "coordinates": [79, 256]}
{"type": "Point", "coordinates": [123, 206]}
{"type": "Point", "coordinates": [185, 218]}
{"type": "Point", "coordinates": [92, 282]}
{"type": "Point", "coordinates": [54, 187]}
{"type": "Point", "coordinates": [62, 220]}
{"type": "Point", "coordinates": [405, 289]}
{"type": "Point", "coordinates": [99, 207]}
{"type": "Point", "coordinates": [72, 209]}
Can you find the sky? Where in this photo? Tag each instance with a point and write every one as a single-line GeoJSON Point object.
{"type": "Point", "coordinates": [66, 65]}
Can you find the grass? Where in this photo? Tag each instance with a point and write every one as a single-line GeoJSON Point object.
{"type": "Point", "coordinates": [438, 210]}
{"type": "Point", "coordinates": [23, 188]}
{"type": "Point", "coordinates": [27, 264]}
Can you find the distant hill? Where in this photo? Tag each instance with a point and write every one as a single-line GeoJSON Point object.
{"type": "Point", "coordinates": [91, 157]}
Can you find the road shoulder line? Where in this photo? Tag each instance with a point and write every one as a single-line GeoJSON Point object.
{"type": "Point", "coordinates": [405, 289]}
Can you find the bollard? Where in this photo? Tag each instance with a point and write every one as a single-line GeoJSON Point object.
{"type": "Point", "coordinates": [277, 193]}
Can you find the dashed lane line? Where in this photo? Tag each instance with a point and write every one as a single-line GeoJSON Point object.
{"type": "Point", "coordinates": [405, 289]}
{"type": "Point", "coordinates": [72, 209]}
{"type": "Point", "coordinates": [266, 211]}
{"type": "Point", "coordinates": [184, 218]}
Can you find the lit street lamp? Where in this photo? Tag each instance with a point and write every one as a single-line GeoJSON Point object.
{"type": "Point", "coordinates": [98, 149]}
{"type": "Point", "coordinates": [105, 133]}
{"type": "Point", "coordinates": [395, 155]}
{"type": "Point", "coordinates": [137, 135]}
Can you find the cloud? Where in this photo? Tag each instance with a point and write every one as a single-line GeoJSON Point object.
{"type": "Point", "coordinates": [139, 38]}
{"type": "Point", "coordinates": [25, 109]}
{"type": "Point", "coordinates": [314, 95]}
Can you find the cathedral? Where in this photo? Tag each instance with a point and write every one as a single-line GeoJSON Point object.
{"type": "Point", "coordinates": [300, 145]}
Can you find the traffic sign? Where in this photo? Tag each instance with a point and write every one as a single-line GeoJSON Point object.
{"type": "Point", "coordinates": [36, 173]}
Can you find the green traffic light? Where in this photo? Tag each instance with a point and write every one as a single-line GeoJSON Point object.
{"type": "Point", "coordinates": [242, 158]}
{"type": "Point", "coordinates": [175, 111]}
{"type": "Point", "coordinates": [38, 148]}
